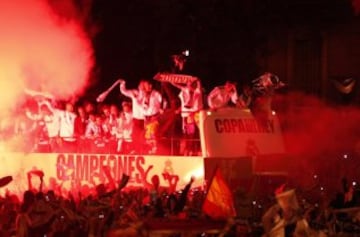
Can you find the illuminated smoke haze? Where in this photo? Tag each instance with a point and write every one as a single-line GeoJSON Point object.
{"type": "Point", "coordinates": [41, 50]}
{"type": "Point", "coordinates": [321, 140]}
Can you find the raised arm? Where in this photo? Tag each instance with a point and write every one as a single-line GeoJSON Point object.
{"type": "Point", "coordinates": [124, 91]}
{"type": "Point", "coordinates": [38, 93]}
{"type": "Point", "coordinates": [211, 96]}
{"type": "Point", "coordinates": [48, 105]}
{"type": "Point", "coordinates": [32, 116]}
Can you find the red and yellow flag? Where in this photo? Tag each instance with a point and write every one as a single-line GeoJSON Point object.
{"type": "Point", "coordinates": [219, 203]}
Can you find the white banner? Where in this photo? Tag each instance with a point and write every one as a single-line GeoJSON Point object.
{"type": "Point", "coordinates": [233, 132]}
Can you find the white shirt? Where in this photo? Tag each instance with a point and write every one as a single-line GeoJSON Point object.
{"type": "Point", "coordinates": [60, 123]}
{"type": "Point", "coordinates": [136, 97]}
{"type": "Point", "coordinates": [110, 124]}
{"type": "Point", "coordinates": [52, 123]}
{"type": "Point", "coordinates": [67, 122]}
{"type": "Point", "coordinates": [219, 97]}
{"type": "Point", "coordinates": [152, 103]}
{"type": "Point", "coordinates": [190, 104]}
{"type": "Point", "coordinates": [93, 130]}
{"type": "Point", "coordinates": [124, 126]}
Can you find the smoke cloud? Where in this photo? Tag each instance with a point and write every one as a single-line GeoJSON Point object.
{"type": "Point", "coordinates": [311, 127]}
{"type": "Point", "coordinates": [41, 50]}
{"type": "Point", "coordinates": [322, 140]}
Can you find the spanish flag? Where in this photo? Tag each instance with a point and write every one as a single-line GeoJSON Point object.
{"type": "Point", "coordinates": [219, 203]}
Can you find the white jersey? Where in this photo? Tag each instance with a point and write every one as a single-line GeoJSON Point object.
{"type": "Point", "coordinates": [67, 124]}
{"type": "Point", "coordinates": [190, 102]}
{"type": "Point", "coordinates": [93, 130]}
{"type": "Point", "coordinates": [136, 98]}
{"type": "Point", "coordinates": [124, 126]}
{"type": "Point", "coordinates": [52, 123]}
{"type": "Point", "coordinates": [151, 103]}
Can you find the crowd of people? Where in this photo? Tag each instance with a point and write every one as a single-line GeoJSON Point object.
{"type": "Point", "coordinates": [108, 210]}
{"type": "Point", "coordinates": [100, 211]}
{"type": "Point", "coordinates": [146, 122]}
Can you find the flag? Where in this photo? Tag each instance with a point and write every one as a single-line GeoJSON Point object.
{"type": "Point", "coordinates": [219, 203]}
{"type": "Point", "coordinates": [287, 200]}
{"type": "Point", "coordinates": [5, 180]}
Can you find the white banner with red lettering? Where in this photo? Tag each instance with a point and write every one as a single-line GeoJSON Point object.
{"type": "Point", "coordinates": [174, 78]}
{"type": "Point", "coordinates": [88, 169]}
{"type": "Point", "coordinates": [233, 132]}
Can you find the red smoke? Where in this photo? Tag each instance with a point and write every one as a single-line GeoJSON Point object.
{"type": "Point", "coordinates": [321, 140]}
{"type": "Point", "coordinates": [356, 6]}
{"type": "Point", "coordinates": [311, 127]}
{"type": "Point", "coordinates": [41, 50]}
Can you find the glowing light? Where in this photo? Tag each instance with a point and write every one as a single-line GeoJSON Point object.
{"type": "Point", "coordinates": [322, 189]}
{"type": "Point", "coordinates": [208, 113]}
{"type": "Point", "coordinates": [186, 52]}
{"type": "Point", "coordinates": [254, 203]}
{"type": "Point", "coordinates": [273, 112]}
{"type": "Point", "coordinates": [315, 176]}
{"type": "Point", "coordinates": [43, 48]}
{"type": "Point", "coordinates": [41, 51]}
{"type": "Point", "coordinates": [2, 147]}
{"type": "Point", "coordinates": [197, 173]}
{"type": "Point", "coordinates": [354, 183]}
{"type": "Point", "coordinates": [345, 156]}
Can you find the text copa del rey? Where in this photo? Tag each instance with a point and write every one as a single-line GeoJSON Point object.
{"type": "Point", "coordinates": [228, 125]}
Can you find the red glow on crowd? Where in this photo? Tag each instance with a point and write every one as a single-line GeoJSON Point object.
{"type": "Point", "coordinates": [41, 50]}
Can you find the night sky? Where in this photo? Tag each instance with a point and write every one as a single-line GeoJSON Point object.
{"type": "Point", "coordinates": [137, 37]}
